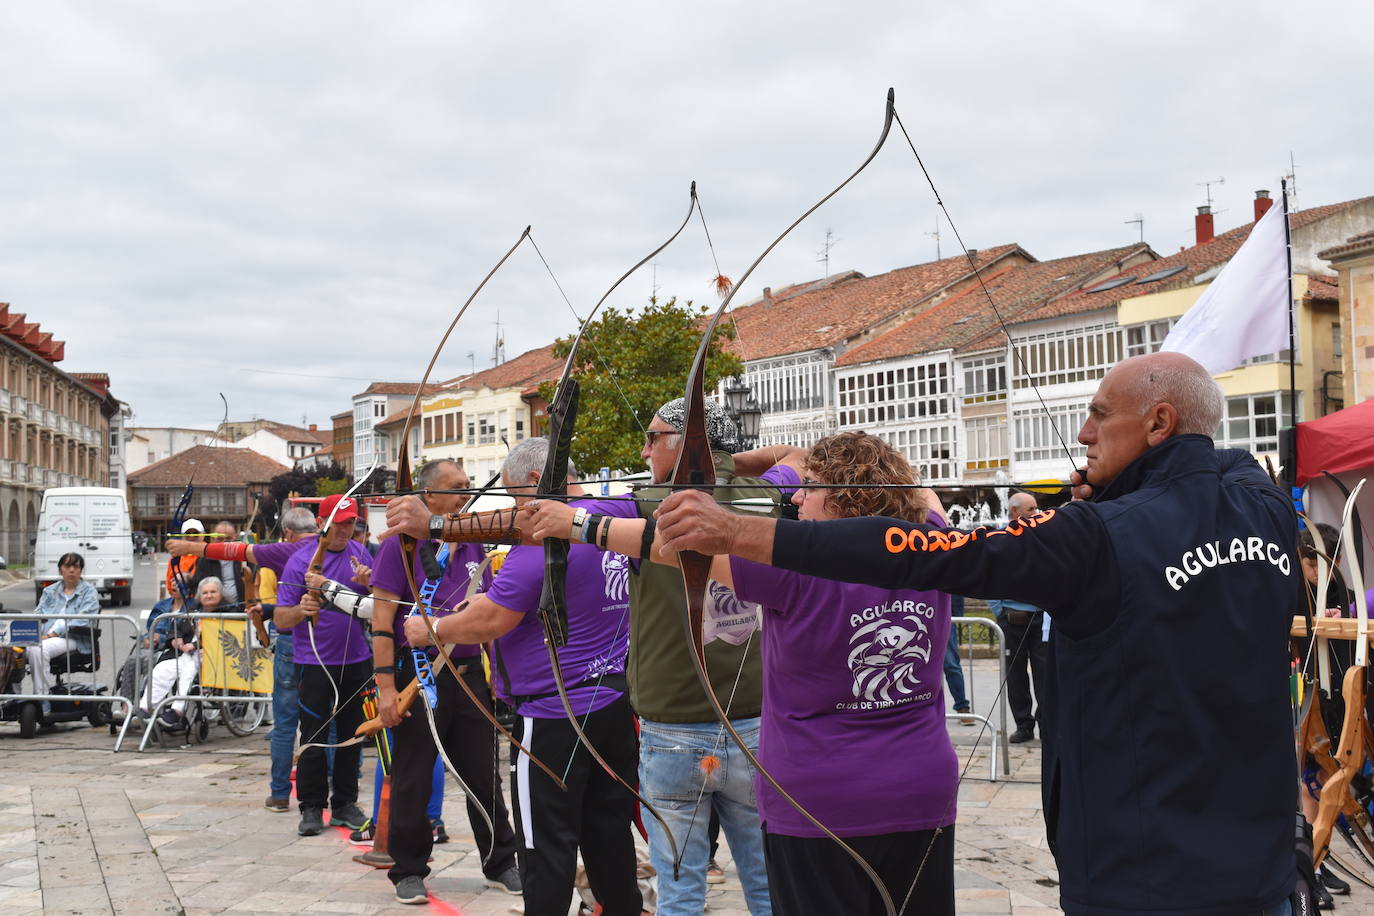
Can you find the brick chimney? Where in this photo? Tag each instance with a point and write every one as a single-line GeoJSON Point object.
{"type": "Point", "coordinates": [1262, 204]}
{"type": "Point", "coordinates": [314, 428]}
{"type": "Point", "coordinates": [1203, 223]}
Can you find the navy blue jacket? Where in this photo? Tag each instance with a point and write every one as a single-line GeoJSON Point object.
{"type": "Point", "coordinates": [1170, 776]}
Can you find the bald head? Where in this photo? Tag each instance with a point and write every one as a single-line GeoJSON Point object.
{"type": "Point", "coordinates": [1021, 504]}
{"type": "Point", "coordinates": [1177, 380]}
{"type": "Point", "coordinates": [1142, 402]}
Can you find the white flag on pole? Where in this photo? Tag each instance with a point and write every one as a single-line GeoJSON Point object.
{"type": "Point", "coordinates": [1244, 312]}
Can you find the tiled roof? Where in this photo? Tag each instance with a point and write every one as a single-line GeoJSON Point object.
{"type": "Point", "coordinates": [967, 317]}
{"type": "Point", "coordinates": [1195, 261]}
{"type": "Point", "coordinates": [297, 434]}
{"type": "Point", "coordinates": [1323, 289]}
{"type": "Point", "coordinates": [808, 316]}
{"type": "Point", "coordinates": [405, 388]}
{"type": "Point", "coordinates": [1362, 242]}
{"type": "Point", "coordinates": [529, 368]}
{"type": "Point", "coordinates": [208, 466]}
{"type": "Point", "coordinates": [395, 419]}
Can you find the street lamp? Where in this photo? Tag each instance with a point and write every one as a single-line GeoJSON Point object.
{"type": "Point", "coordinates": [744, 410]}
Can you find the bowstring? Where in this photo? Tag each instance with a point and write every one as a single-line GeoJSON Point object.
{"type": "Point", "coordinates": [595, 351]}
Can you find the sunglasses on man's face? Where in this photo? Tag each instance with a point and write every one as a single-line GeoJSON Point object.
{"type": "Point", "coordinates": [651, 435]}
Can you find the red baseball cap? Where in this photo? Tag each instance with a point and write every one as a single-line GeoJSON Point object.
{"type": "Point", "coordinates": [348, 507]}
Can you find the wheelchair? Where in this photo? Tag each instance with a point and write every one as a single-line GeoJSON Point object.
{"type": "Point", "coordinates": [83, 703]}
{"type": "Point", "coordinates": [230, 709]}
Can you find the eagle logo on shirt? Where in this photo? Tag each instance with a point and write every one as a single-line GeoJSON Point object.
{"type": "Point", "coordinates": [885, 654]}
{"type": "Point", "coordinates": [616, 570]}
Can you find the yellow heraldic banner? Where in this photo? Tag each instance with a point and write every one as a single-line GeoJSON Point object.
{"type": "Point", "coordinates": [229, 661]}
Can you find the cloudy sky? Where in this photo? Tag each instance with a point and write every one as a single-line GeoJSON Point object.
{"type": "Point", "coordinates": [282, 202]}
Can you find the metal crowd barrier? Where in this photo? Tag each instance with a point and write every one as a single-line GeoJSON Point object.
{"type": "Point", "coordinates": [32, 656]}
{"type": "Point", "coordinates": [204, 696]}
{"type": "Point", "coordinates": [999, 732]}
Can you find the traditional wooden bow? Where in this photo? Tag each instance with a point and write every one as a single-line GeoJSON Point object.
{"type": "Point", "coordinates": [553, 482]}
{"type": "Point", "coordinates": [403, 480]}
{"type": "Point", "coordinates": [1355, 737]}
{"type": "Point", "coordinates": [694, 468]}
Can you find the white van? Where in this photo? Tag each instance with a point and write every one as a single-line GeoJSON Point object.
{"type": "Point", "coordinates": [91, 521]}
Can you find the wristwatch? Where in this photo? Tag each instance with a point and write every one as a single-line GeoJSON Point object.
{"type": "Point", "coordinates": [436, 527]}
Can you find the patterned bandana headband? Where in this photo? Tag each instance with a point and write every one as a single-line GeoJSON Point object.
{"type": "Point", "coordinates": [720, 429]}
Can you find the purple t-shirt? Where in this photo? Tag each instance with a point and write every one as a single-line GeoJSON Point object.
{"type": "Point", "coordinates": [339, 638]}
{"type": "Point", "coordinates": [274, 556]}
{"type": "Point", "coordinates": [853, 689]}
{"type": "Point", "coordinates": [598, 628]}
{"type": "Point", "coordinates": [389, 574]}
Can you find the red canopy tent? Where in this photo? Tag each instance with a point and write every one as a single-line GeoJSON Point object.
{"type": "Point", "coordinates": [1342, 441]}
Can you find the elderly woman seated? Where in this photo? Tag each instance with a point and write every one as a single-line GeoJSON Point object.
{"type": "Point", "coordinates": [180, 660]}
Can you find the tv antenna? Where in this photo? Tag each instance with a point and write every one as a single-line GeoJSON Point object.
{"type": "Point", "coordinates": [653, 284]}
{"type": "Point", "coordinates": [823, 256]}
{"type": "Point", "coordinates": [1139, 220]}
{"type": "Point", "coordinates": [1292, 178]}
{"type": "Point", "coordinates": [936, 236]}
{"type": "Point", "coordinates": [1208, 186]}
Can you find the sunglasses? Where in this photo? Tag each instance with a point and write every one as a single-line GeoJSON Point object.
{"type": "Point", "coordinates": [651, 435]}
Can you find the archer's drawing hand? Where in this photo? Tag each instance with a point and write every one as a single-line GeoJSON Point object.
{"type": "Point", "coordinates": [546, 518]}
{"type": "Point", "coordinates": [1079, 486]}
{"type": "Point", "coordinates": [693, 520]}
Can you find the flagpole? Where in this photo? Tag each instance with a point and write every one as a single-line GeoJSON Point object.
{"type": "Point", "coordinates": [1292, 343]}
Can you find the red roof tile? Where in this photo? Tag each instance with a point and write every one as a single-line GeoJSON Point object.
{"type": "Point", "coordinates": [297, 434]}
{"type": "Point", "coordinates": [208, 466]}
{"type": "Point", "coordinates": [1361, 243]}
{"type": "Point", "coordinates": [1324, 289]}
{"type": "Point", "coordinates": [398, 388]}
{"type": "Point", "coordinates": [1015, 290]}
{"type": "Point", "coordinates": [1195, 261]}
{"type": "Point", "coordinates": [529, 368]}
{"type": "Point", "coordinates": [807, 316]}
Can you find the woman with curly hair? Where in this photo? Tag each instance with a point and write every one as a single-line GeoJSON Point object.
{"type": "Point", "coordinates": [853, 721]}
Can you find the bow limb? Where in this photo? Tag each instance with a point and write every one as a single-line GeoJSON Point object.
{"type": "Point", "coordinates": [1354, 739]}
{"type": "Point", "coordinates": [553, 481]}
{"type": "Point", "coordinates": [403, 480]}
{"type": "Point", "coordinates": [696, 467]}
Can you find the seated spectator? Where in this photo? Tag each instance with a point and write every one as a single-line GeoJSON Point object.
{"type": "Point", "coordinates": [180, 661]}
{"type": "Point", "coordinates": [72, 595]}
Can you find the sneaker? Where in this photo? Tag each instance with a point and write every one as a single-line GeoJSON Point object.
{"type": "Point", "coordinates": [508, 881]}
{"type": "Point", "coordinates": [364, 836]}
{"type": "Point", "coordinates": [169, 717]}
{"type": "Point", "coordinates": [966, 716]}
{"type": "Point", "coordinates": [714, 873]}
{"type": "Point", "coordinates": [1332, 882]}
{"type": "Point", "coordinates": [279, 805]}
{"type": "Point", "coordinates": [350, 816]}
{"type": "Point", "coordinates": [1022, 735]}
{"type": "Point", "coordinates": [1324, 900]}
{"type": "Point", "coordinates": [312, 822]}
{"type": "Point", "coordinates": [411, 889]}
{"type": "Point", "coordinates": [440, 834]}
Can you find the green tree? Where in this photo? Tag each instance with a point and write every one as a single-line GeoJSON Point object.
{"type": "Point", "coordinates": [628, 364]}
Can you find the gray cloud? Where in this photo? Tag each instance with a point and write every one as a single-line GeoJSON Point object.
{"type": "Point", "coordinates": [191, 190]}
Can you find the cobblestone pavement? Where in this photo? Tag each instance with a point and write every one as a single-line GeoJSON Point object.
{"type": "Point", "coordinates": [183, 830]}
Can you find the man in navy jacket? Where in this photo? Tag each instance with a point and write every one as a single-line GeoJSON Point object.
{"type": "Point", "coordinates": [1169, 769]}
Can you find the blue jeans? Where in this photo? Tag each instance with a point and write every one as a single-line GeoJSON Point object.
{"type": "Point", "coordinates": [286, 710]}
{"type": "Point", "coordinates": [954, 672]}
{"type": "Point", "coordinates": [670, 777]}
